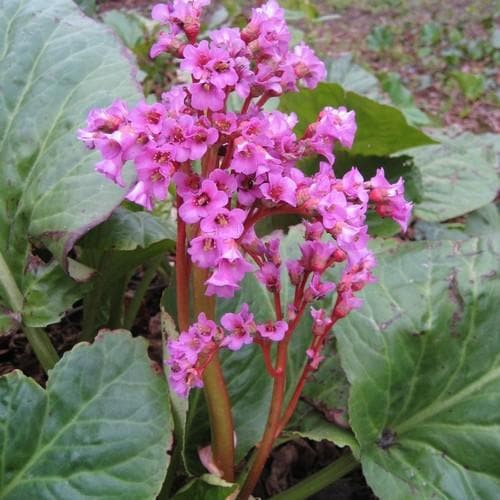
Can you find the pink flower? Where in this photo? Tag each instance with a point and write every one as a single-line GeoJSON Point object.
{"type": "Point", "coordinates": [307, 66]}
{"type": "Point", "coordinates": [248, 157]}
{"type": "Point", "coordinates": [318, 289]}
{"type": "Point", "coordinates": [204, 251]}
{"type": "Point", "coordinates": [269, 275]}
{"type": "Point", "coordinates": [295, 272]}
{"type": "Point", "coordinates": [222, 69]}
{"type": "Point", "coordinates": [240, 326]}
{"type": "Point", "coordinates": [273, 330]}
{"type": "Point", "coordinates": [314, 230]}
{"type": "Point", "coordinates": [205, 95]}
{"type": "Point", "coordinates": [279, 188]}
{"type": "Point", "coordinates": [333, 208]}
{"type": "Point", "coordinates": [112, 169]}
{"type": "Point", "coordinates": [167, 42]}
{"type": "Point", "coordinates": [315, 358]}
{"type": "Point", "coordinates": [339, 124]}
{"type": "Point", "coordinates": [224, 223]}
{"type": "Point", "coordinates": [316, 255]}
{"type": "Point", "coordinates": [148, 118]}
{"type": "Point", "coordinates": [389, 199]}
{"type": "Point", "coordinates": [353, 185]}
{"type": "Point", "coordinates": [198, 205]}
{"type": "Point", "coordinates": [230, 40]}
{"type": "Point", "coordinates": [103, 121]}
{"type": "Point", "coordinates": [226, 278]}
{"type": "Point", "coordinates": [272, 251]}
{"type": "Point", "coordinates": [196, 58]}
{"type": "Point", "coordinates": [320, 321]}
{"type": "Point", "coordinates": [224, 181]}
{"type": "Point", "coordinates": [187, 184]}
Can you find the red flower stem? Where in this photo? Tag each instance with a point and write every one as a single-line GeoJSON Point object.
{"type": "Point", "coordinates": [209, 161]}
{"type": "Point", "coordinates": [228, 156]}
{"type": "Point", "coordinates": [277, 306]}
{"type": "Point", "coordinates": [181, 273]}
{"type": "Point", "coordinates": [246, 105]}
{"type": "Point", "coordinates": [266, 444]}
{"type": "Point", "coordinates": [215, 389]}
{"type": "Point", "coordinates": [266, 354]}
{"type": "Point", "coordinates": [265, 97]}
{"type": "Point", "coordinates": [316, 344]}
{"type": "Point", "coordinates": [273, 427]}
{"type": "Point", "coordinates": [266, 212]}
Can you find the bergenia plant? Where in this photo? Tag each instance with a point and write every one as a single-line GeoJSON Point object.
{"type": "Point", "coordinates": [230, 169]}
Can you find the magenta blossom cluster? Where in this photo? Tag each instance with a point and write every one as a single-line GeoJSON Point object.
{"type": "Point", "coordinates": [230, 170]}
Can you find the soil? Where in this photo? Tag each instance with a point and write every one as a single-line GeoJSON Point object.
{"type": "Point", "coordinates": [427, 77]}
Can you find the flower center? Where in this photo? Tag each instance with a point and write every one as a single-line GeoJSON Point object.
{"type": "Point", "coordinates": [157, 176]}
{"type": "Point", "coordinates": [221, 220]}
{"type": "Point", "coordinates": [202, 200]}
{"type": "Point", "coordinates": [221, 66]}
{"type": "Point", "coordinates": [153, 117]}
{"type": "Point", "coordinates": [209, 245]}
{"type": "Point", "coordinates": [161, 157]}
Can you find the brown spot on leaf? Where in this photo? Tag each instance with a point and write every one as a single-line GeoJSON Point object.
{"type": "Point", "coordinates": [383, 326]}
{"type": "Point", "coordinates": [387, 439]}
{"type": "Point", "coordinates": [457, 299]}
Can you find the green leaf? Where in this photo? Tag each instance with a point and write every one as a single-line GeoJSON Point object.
{"type": "Point", "coordinates": [323, 410]}
{"type": "Point", "coordinates": [55, 65]}
{"type": "Point", "coordinates": [47, 294]}
{"type": "Point", "coordinates": [484, 221]}
{"type": "Point", "coordinates": [481, 222]}
{"type": "Point", "coordinates": [403, 99]}
{"type": "Point", "coordinates": [382, 129]}
{"type": "Point", "coordinates": [101, 429]}
{"type": "Point", "coordinates": [127, 25]}
{"type": "Point", "coordinates": [380, 38]}
{"type": "Point", "coordinates": [471, 85]}
{"type": "Point", "coordinates": [9, 321]}
{"type": "Point", "coordinates": [126, 231]}
{"type": "Point", "coordinates": [115, 249]}
{"type": "Point", "coordinates": [422, 359]}
{"type": "Point", "coordinates": [351, 76]}
{"type": "Point", "coordinates": [208, 487]}
{"type": "Point", "coordinates": [458, 176]}
{"type": "Point", "coordinates": [424, 230]}
{"type": "Point", "coordinates": [88, 6]}
{"type": "Point", "coordinates": [495, 38]}
{"type": "Point", "coordinates": [430, 33]}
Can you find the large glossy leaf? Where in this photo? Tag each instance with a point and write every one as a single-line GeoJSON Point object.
{"type": "Point", "coordinates": [458, 176]}
{"type": "Point", "coordinates": [322, 413]}
{"type": "Point", "coordinates": [422, 357]}
{"type": "Point", "coordinates": [101, 429]}
{"type": "Point", "coordinates": [382, 129]}
{"type": "Point", "coordinates": [126, 231]}
{"type": "Point", "coordinates": [55, 64]}
{"type": "Point", "coordinates": [115, 249]}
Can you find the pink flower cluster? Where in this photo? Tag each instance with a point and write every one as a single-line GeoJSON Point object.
{"type": "Point", "coordinates": [231, 170]}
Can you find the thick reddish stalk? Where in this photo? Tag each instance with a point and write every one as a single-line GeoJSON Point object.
{"type": "Point", "coordinates": [216, 394]}
{"type": "Point", "coordinates": [181, 273]}
{"type": "Point", "coordinates": [266, 445]}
